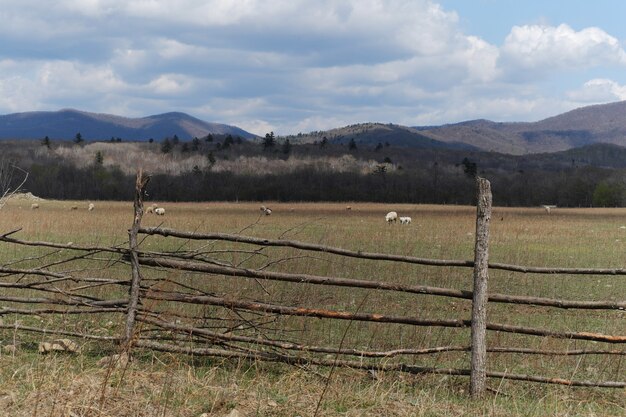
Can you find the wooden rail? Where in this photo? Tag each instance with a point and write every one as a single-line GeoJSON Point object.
{"type": "Point", "coordinates": [48, 291]}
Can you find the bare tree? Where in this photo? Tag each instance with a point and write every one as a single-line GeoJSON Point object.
{"type": "Point", "coordinates": [8, 170]}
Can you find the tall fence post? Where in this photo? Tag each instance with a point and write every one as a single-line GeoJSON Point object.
{"type": "Point", "coordinates": [133, 297]}
{"type": "Point", "coordinates": [478, 375]}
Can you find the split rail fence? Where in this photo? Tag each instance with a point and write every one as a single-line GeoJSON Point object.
{"type": "Point", "coordinates": [159, 307]}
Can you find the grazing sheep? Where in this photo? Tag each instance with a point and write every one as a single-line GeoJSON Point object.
{"type": "Point", "coordinates": [91, 207]}
{"type": "Point", "coordinates": [348, 207]}
{"type": "Point", "coordinates": [149, 209]}
{"type": "Point", "coordinates": [548, 208]}
{"type": "Point", "coordinates": [392, 216]}
{"type": "Point", "coordinates": [74, 208]}
{"type": "Point", "coordinates": [34, 206]}
{"type": "Point", "coordinates": [405, 220]}
{"type": "Point", "coordinates": [159, 211]}
{"type": "Point", "coordinates": [266, 210]}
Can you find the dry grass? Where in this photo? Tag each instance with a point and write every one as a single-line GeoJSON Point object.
{"type": "Point", "coordinates": [168, 385]}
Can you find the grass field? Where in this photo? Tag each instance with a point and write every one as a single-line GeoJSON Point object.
{"type": "Point", "coordinates": [177, 385]}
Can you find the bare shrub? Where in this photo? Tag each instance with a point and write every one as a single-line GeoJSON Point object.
{"type": "Point", "coordinates": [8, 181]}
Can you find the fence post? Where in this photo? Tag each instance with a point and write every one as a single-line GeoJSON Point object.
{"type": "Point", "coordinates": [133, 297]}
{"type": "Point", "coordinates": [479, 303]}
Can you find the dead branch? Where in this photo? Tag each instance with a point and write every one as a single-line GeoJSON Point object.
{"type": "Point", "coordinates": [373, 255]}
{"type": "Point", "coordinates": [379, 318]}
{"type": "Point", "coordinates": [378, 366]}
{"type": "Point", "coordinates": [6, 177]}
{"type": "Point", "coordinates": [575, 352]}
{"type": "Point", "coordinates": [73, 300]}
{"type": "Point", "coordinates": [16, 326]}
{"type": "Point", "coordinates": [71, 246]}
{"type": "Point", "coordinates": [379, 285]}
{"type": "Point", "coordinates": [133, 295]}
{"type": "Point", "coordinates": [229, 337]}
{"type": "Point", "coordinates": [10, 310]}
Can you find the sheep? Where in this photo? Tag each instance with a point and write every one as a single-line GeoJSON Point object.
{"type": "Point", "coordinates": [392, 216]}
{"type": "Point", "coordinates": [149, 209]}
{"type": "Point", "coordinates": [34, 206]}
{"type": "Point", "coordinates": [405, 220]}
{"type": "Point", "coordinates": [159, 211]}
{"type": "Point", "coordinates": [266, 210]}
{"type": "Point", "coordinates": [74, 208]}
{"type": "Point", "coordinates": [348, 207]}
{"type": "Point", "coordinates": [547, 208]}
{"type": "Point", "coordinates": [91, 207]}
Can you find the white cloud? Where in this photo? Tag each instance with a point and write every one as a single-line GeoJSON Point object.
{"type": "Point", "coordinates": [171, 84]}
{"type": "Point", "coordinates": [70, 79]}
{"type": "Point", "coordinates": [291, 65]}
{"type": "Point", "coordinates": [544, 48]}
{"type": "Point", "coordinates": [598, 90]}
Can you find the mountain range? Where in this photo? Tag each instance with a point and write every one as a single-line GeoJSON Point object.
{"type": "Point", "coordinates": [65, 124]}
{"type": "Point", "coordinates": [603, 123]}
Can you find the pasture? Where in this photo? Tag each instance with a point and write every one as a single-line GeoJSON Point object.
{"type": "Point", "coordinates": [162, 384]}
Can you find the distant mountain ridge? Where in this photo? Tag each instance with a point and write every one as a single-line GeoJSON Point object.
{"type": "Point", "coordinates": [373, 134]}
{"type": "Point", "coordinates": [66, 123]}
{"type": "Point", "coordinates": [596, 124]}
{"type": "Point", "coordinates": [602, 123]}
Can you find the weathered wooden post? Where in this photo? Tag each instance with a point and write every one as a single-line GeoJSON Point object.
{"type": "Point", "coordinates": [133, 297]}
{"type": "Point", "coordinates": [479, 304]}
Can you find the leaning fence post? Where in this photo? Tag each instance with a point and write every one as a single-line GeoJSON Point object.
{"type": "Point", "coordinates": [133, 297]}
{"type": "Point", "coordinates": [479, 304]}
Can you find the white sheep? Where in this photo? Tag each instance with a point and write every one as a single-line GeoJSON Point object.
{"type": "Point", "coordinates": [266, 210]}
{"type": "Point", "coordinates": [392, 216]}
{"type": "Point", "coordinates": [405, 220]}
{"type": "Point", "coordinates": [34, 206]}
{"type": "Point", "coordinates": [159, 211]}
{"type": "Point", "coordinates": [91, 207]}
{"type": "Point", "coordinates": [149, 209]}
{"type": "Point", "coordinates": [547, 208]}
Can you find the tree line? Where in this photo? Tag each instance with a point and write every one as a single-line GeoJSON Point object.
{"type": "Point", "coordinates": [574, 187]}
{"type": "Point", "coordinates": [585, 177]}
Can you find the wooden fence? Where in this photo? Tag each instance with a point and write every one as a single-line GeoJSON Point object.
{"type": "Point", "coordinates": [156, 306]}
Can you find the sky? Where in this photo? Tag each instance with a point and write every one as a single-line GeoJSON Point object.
{"type": "Point", "coordinates": [293, 66]}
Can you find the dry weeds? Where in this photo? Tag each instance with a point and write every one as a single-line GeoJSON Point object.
{"type": "Point", "coordinates": [169, 385]}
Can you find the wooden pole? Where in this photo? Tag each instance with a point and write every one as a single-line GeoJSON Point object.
{"type": "Point", "coordinates": [133, 297]}
{"type": "Point", "coordinates": [478, 375]}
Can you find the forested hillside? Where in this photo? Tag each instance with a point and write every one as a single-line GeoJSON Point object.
{"type": "Point", "coordinates": [226, 168]}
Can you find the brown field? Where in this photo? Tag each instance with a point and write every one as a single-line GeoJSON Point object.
{"type": "Point", "coordinates": [177, 385]}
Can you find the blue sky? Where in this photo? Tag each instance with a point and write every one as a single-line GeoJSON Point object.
{"type": "Point", "coordinates": [297, 65]}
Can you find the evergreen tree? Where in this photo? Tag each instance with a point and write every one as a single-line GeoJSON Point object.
{"type": "Point", "coordinates": [98, 159]}
{"type": "Point", "coordinates": [286, 148]}
{"type": "Point", "coordinates": [269, 141]}
{"type": "Point", "coordinates": [166, 146]}
{"type": "Point", "coordinates": [211, 158]}
{"type": "Point", "coordinates": [195, 144]}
